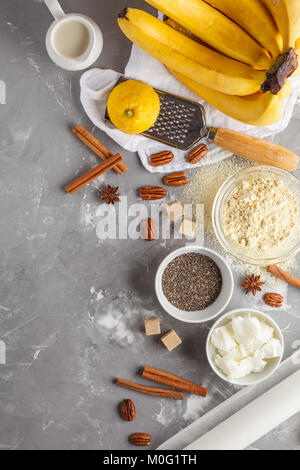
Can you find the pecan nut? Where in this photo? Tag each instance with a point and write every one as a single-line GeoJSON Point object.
{"type": "Point", "coordinates": [161, 158]}
{"type": "Point", "coordinates": [149, 229]}
{"type": "Point", "coordinates": [128, 410]}
{"type": "Point", "coordinates": [176, 179]}
{"type": "Point", "coordinates": [274, 300]}
{"type": "Point", "coordinates": [196, 154]}
{"type": "Point", "coordinates": [140, 439]}
{"type": "Point", "coordinates": [151, 193]}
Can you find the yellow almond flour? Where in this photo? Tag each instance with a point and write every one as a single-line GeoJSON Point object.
{"type": "Point", "coordinates": [204, 185]}
{"type": "Point", "coordinates": [260, 214]}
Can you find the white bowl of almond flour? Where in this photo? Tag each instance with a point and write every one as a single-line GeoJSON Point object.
{"type": "Point", "coordinates": [256, 215]}
{"type": "Point", "coordinates": [194, 284]}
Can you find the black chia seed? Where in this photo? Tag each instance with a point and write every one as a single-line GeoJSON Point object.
{"type": "Point", "coordinates": [192, 282]}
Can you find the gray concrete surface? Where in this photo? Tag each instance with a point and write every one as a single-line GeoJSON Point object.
{"type": "Point", "coordinates": [72, 306]}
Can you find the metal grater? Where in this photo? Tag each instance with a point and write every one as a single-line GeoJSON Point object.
{"type": "Point", "coordinates": [180, 124]}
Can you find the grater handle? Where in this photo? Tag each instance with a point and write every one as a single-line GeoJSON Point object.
{"type": "Point", "coordinates": [253, 148]}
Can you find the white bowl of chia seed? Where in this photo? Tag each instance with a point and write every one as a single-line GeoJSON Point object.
{"type": "Point", "coordinates": [194, 284]}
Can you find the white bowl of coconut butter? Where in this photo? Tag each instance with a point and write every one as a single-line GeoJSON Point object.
{"type": "Point", "coordinates": [73, 41]}
{"type": "Point", "coordinates": [245, 347]}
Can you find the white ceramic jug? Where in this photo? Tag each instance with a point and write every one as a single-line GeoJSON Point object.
{"type": "Point", "coordinates": [73, 41]}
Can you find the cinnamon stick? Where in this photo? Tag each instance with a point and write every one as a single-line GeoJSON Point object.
{"type": "Point", "coordinates": [171, 380]}
{"type": "Point", "coordinates": [97, 147]}
{"type": "Point", "coordinates": [91, 175]}
{"type": "Point", "coordinates": [284, 276]}
{"type": "Point", "coordinates": [153, 391]}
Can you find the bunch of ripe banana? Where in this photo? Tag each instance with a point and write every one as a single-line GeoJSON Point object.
{"type": "Point", "coordinates": [224, 50]}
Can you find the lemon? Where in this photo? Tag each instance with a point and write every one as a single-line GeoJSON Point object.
{"type": "Point", "coordinates": [133, 106]}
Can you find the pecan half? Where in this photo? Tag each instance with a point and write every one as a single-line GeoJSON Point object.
{"type": "Point", "coordinates": [128, 410]}
{"type": "Point", "coordinates": [196, 154]}
{"type": "Point", "coordinates": [274, 300]}
{"type": "Point", "coordinates": [149, 229]}
{"type": "Point", "coordinates": [176, 179]}
{"type": "Point", "coordinates": [140, 439]}
{"type": "Point", "coordinates": [161, 158]}
{"type": "Point", "coordinates": [151, 193]}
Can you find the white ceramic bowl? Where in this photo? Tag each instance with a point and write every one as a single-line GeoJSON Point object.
{"type": "Point", "coordinates": [253, 378]}
{"type": "Point", "coordinates": [214, 309]}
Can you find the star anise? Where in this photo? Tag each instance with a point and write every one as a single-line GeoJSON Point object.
{"type": "Point", "coordinates": [110, 195]}
{"type": "Point", "coordinates": [252, 284]}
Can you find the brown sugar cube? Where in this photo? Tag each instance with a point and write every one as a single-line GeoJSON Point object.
{"type": "Point", "coordinates": [171, 340]}
{"type": "Point", "coordinates": [175, 210]}
{"type": "Point", "coordinates": [152, 326]}
{"type": "Point", "coordinates": [188, 228]}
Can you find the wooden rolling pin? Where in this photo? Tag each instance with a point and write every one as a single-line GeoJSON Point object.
{"type": "Point", "coordinates": [253, 148]}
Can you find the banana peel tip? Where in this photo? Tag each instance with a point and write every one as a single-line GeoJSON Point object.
{"type": "Point", "coordinates": [123, 13]}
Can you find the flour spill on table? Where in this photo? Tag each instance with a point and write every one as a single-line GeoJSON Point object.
{"type": "Point", "coordinates": [116, 319]}
{"type": "Point", "coordinates": [195, 406]}
{"type": "Point", "coordinates": [11, 26]}
{"type": "Point", "coordinates": [98, 295]}
{"type": "Point", "coordinates": [14, 142]}
{"type": "Point", "coordinates": [168, 413]}
{"type": "Point", "coordinates": [87, 215]}
{"type": "Point", "coordinates": [31, 60]}
{"type": "Point", "coordinates": [188, 410]}
{"type": "Point", "coordinates": [114, 322]}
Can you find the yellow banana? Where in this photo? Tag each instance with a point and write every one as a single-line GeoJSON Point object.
{"type": "Point", "coordinates": [297, 50]}
{"type": "Point", "coordinates": [181, 29]}
{"type": "Point", "coordinates": [286, 90]}
{"type": "Point", "coordinates": [215, 29]}
{"type": "Point", "coordinates": [254, 18]}
{"type": "Point", "coordinates": [286, 14]}
{"type": "Point", "coordinates": [176, 51]}
{"type": "Point", "coordinates": [259, 109]}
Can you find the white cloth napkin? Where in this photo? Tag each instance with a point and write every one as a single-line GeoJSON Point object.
{"type": "Point", "coordinates": [96, 85]}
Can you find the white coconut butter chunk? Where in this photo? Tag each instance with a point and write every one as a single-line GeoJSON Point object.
{"type": "Point", "coordinates": [244, 346]}
{"type": "Point", "coordinates": [222, 338]}
{"type": "Point", "coordinates": [246, 329]}
{"type": "Point", "coordinates": [272, 348]}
